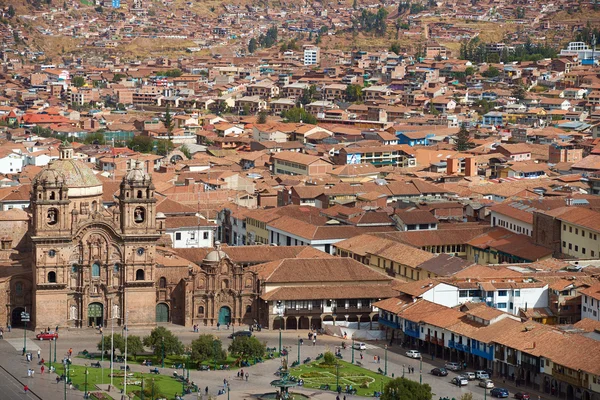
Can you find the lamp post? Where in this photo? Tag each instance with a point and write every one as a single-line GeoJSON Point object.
{"type": "Point", "coordinates": [280, 341]}
{"type": "Point", "coordinates": [385, 361]}
{"type": "Point", "coordinates": [298, 349]}
{"type": "Point", "coordinates": [102, 359]}
{"type": "Point", "coordinates": [142, 393]}
{"type": "Point", "coordinates": [215, 344]}
{"type": "Point", "coordinates": [352, 348]}
{"type": "Point", "coordinates": [403, 370]}
{"type": "Point", "coordinates": [65, 375]}
{"type": "Point", "coordinates": [187, 362]}
{"type": "Point", "coordinates": [25, 339]}
{"type": "Point", "coordinates": [85, 395]}
{"type": "Point", "coordinates": [163, 351]}
{"type": "Point", "coordinates": [183, 379]}
{"type": "Point", "coordinates": [152, 389]}
{"type": "Point", "coordinates": [421, 370]}
{"type": "Point", "coordinates": [50, 358]}
{"type": "Point", "coordinates": [125, 381]}
{"type": "Point", "coordinates": [337, 376]}
{"type": "Point", "coordinates": [55, 339]}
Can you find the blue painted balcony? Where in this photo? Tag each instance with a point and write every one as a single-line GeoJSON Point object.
{"type": "Point", "coordinates": [488, 355]}
{"type": "Point", "coordinates": [389, 323]}
{"type": "Point", "coordinates": [412, 332]}
{"type": "Point", "coordinates": [459, 346]}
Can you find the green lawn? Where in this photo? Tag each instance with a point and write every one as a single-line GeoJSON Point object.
{"type": "Point", "coordinates": [166, 385]}
{"type": "Point", "coordinates": [361, 379]}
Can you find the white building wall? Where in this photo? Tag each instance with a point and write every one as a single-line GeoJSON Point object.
{"type": "Point", "coordinates": [590, 308]}
{"type": "Point", "coordinates": [11, 163]}
{"type": "Point", "coordinates": [511, 224]}
{"type": "Point", "coordinates": [192, 237]}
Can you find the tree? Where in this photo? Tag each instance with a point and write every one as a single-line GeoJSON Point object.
{"type": "Point", "coordinates": [252, 45]}
{"type": "Point", "coordinates": [78, 81]}
{"type": "Point", "coordinates": [95, 138]}
{"type": "Point", "coordinates": [405, 389]}
{"type": "Point", "coordinates": [167, 121]}
{"type": "Point", "coordinates": [262, 117]}
{"type": "Point", "coordinates": [118, 342]}
{"type": "Point", "coordinates": [134, 345]}
{"type": "Point", "coordinates": [205, 348]}
{"type": "Point", "coordinates": [164, 147]}
{"type": "Point", "coordinates": [298, 114]}
{"type": "Point", "coordinates": [491, 72]}
{"type": "Point", "coordinates": [467, 396]}
{"type": "Point", "coordinates": [160, 335]}
{"type": "Point", "coordinates": [353, 93]}
{"type": "Point", "coordinates": [395, 48]}
{"type": "Point", "coordinates": [186, 151]}
{"type": "Point", "coordinates": [11, 11]}
{"type": "Point", "coordinates": [118, 77]}
{"type": "Point", "coordinates": [519, 93]}
{"type": "Point", "coordinates": [355, 4]}
{"type": "Point", "coordinates": [247, 347]}
{"type": "Point", "coordinates": [143, 144]}
{"type": "Point", "coordinates": [469, 71]}
{"type": "Point", "coordinates": [463, 140]}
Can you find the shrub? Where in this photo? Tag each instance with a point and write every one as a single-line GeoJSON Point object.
{"type": "Point", "coordinates": [328, 358]}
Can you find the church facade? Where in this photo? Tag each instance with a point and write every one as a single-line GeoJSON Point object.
{"type": "Point", "coordinates": [76, 262]}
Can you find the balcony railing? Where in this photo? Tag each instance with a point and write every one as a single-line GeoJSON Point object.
{"type": "Point", "coordinates": [488, 355]}
{"type": "Point", "coordinates": [302, 311]}
{"type": "Point", "coordinates": [412, 332]}
{"type": "Point", "coordinates": [567, 378]}
{"type": "Point", "coordinates": [459, 346]}
{"type": "Point", "coordinates": [389, 323]}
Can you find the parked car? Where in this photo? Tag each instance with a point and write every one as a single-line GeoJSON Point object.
{"type": "Point", "coordinates": [522, 396]}
{"type": "Point", "coordinates": [452, 366]}
{"type": "Point", "coordinates": [486, 383]}
{"type": "Point", "coordinates": [439, 372]}
{"type": "Point", "coordinates": [482, 375]}
{"type": "Point", "coordinates": [413, 354]}
{"type": "Point", "coordinates": [360, 346]}
{"type": "Point", "coordinates": [240, 334]}
{"type": "Point", "coordinates": [460, 381]}
{"type": "Point", "coordinates": [499, 392]}
{"type": "Point", "coordinates": [469, 375]}
{"type": "Point", "coordinates": [47, 336]}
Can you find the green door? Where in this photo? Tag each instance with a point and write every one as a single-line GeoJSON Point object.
{"type": "Point", "coordinates": [162, 313]}
{"type": "Point", "coordinates": [95, 313]}
{"type": "Point", "coordinates": [224, 315]}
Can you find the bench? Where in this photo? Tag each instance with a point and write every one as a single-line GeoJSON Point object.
{"type": "Point", "coordinates": [96, 364]}
{"type": "Point", "coordinates": [123, 367]}
{"type": "Point", "coordinates": [154, 371]}
{"type": "Point", "coordinates": [324, 387]}
{"type": "Point", "coordinates": [359, 363]}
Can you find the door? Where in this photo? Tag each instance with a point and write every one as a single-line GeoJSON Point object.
{"type": "Point", "coordinates": [162, 312]}
{"type": "Point", "coordinates": [224, 315]}
{"type": "Point", "coordinates": [95, 313]}
{"type": "Point", "coordinates": [16, 317]}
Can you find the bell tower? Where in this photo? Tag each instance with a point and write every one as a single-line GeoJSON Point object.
{"type": "Point", "coordinates": [137, 202]}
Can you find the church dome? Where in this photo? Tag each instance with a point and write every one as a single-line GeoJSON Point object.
{"type": "Point", "coordinates": [215, 256]}
{"type": "Point", "coordinates": [77, 176]}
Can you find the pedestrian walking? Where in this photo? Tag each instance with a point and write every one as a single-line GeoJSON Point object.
{"type": "Point", "coordinates": [9, 327]}
{"type": "Point", "coordinates": [32, 372]}
{"type": "Point", "coordinates": [70, 352]}
{"type": "Point", "coordinates": [29, 372]}
{"type": "Point", "coordinates": [39, 353]}
{"type": "Point", "coordinates": [361, 356]}
{"type": "Point", "coordinates": [206, 390]}
{"type": "Point", "coordinates": [247, 377]}
{"type": "Point", "coordinates": [315, 341]}
{"type": "Point", "coordinates": [238, 374]}
{"type": "Point", "coordinates": [42, 369]}
{"type": "Point", "coordinates": [26, 388]}
{"type": "Point", "coordinates": [1, 334]}
{"type": "Point", "coordinates": [218, 326]}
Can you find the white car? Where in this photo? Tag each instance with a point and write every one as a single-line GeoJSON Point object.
{"type": "Point", "coordinates": [486, 383]}
{"type": "Point", "coordinates": [413, 354]}
{"type": "Point", "coordinates": [482, 375]}
{"type": "Point", "coordinates": [360, 346]}
{"type": "Point", "coordinates": [469, 375]}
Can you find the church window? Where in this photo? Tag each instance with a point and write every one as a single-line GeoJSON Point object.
{"type": "Point", "coordinates": [94, 206]}
{"type": "Point", "coordinates": [19, 288]}
{"type": "Point", "coordinates": [248, 309]}
{"type": "Point", "coordinates": [52, 216]}
{"type": "Point", "coordinates": [139, 275]}
{"type": "Point", "coordinates": [140, 251]}
{"type": "Point", "coordinates": [116, 268]}
{"type": "Point", "coordinates": [139, 215]}
{"type": "Point", "coordinates": [162, 282]}
{"type": "Point", "coordinates": [224, 284]}
{"type": "Point", "coordinates": [52, 196]}
{"type": "Point", "coordinates": [139, 194]}
{"type": "Point", "coordinates": [51, 253]}
{"type": "Point", "coordinates": [200, 310]}
{"type": "Point", "coordinates": [95, 270]}
{"type": "Point", "coordinates": [177, 235]}
{"type": "Point", "coordinates": [51, 277]}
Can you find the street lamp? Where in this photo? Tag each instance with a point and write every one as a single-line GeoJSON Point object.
{"type": "Point", "coordinates": [385, 360]}
{"type": "Point", "coordinates": [403, 370]}
{"type": "Point", "coordinates": [280, 341]}
{"type": "Point", "coordinates": [142, 394]}
{"type": "Point", "coordinates": [352, 336]}
{"type": "Point", "coordinates": [421, 370]}
{"type": "Point", "coordinates": [85, 395]}
{"type": "Point", "coordinates": [337, 376]}
{"type": "Point", "coordinates": [215, 345]}
{"type": "Point", "coordinates": [50, 358]}
{"type": "Point", "coordinates": [152, 389]}
{"type": "Point", "coordinates": [298, 349]}
{"type": "Point", "coordinates": [55, 339]}
{"type": "Point", "coordinates": [163, 351]}
{"type": "Point", "coordinates": [65, 375]}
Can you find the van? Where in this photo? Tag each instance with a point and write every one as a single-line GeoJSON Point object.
{"type": "Point", "coordinates": [240, 334]}
{"type": "Point", "coordinates": [482, 375]}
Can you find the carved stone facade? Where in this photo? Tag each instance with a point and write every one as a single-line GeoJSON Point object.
{"type": "Point", "coordinates": [92, 264]}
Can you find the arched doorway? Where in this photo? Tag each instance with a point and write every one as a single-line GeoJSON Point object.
{"type": "Point", "coordinates": [278, 323]}
{"type": "Point", "coordinates": [162, 312]}
{"type": "Point", "coordinates": [95, 313]}
{"type": "Point", "coordinates": [304, 323]}
{"type": "Point", "coordinates": [292, 323]}
{"type": "Point", "coordinates": [16, 317]}
{"type": "Point", "coordinates": [225, 315]}
{"type": "Point", "coordinates": [570, 392]}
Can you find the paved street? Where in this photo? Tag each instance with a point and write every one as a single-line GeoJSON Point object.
{"type": "Point", "coordinates": [260, 375]}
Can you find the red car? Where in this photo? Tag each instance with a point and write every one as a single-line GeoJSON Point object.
{"type": "Point", "coordinates": [47, 336]}
{"type": "Point", "coordinates": [522, 396]}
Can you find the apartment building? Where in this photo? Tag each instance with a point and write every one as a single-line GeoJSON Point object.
{"type": "Point", "coordinates": [312, 55]}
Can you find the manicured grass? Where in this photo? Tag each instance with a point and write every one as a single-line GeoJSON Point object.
{"type": "Point", "coordinates": [361, 379]}
{"type": "Point", "coordinates": [166, 385]}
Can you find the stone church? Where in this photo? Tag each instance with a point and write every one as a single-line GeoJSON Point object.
{"type": "Point", "coordinates": [82, 263]}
